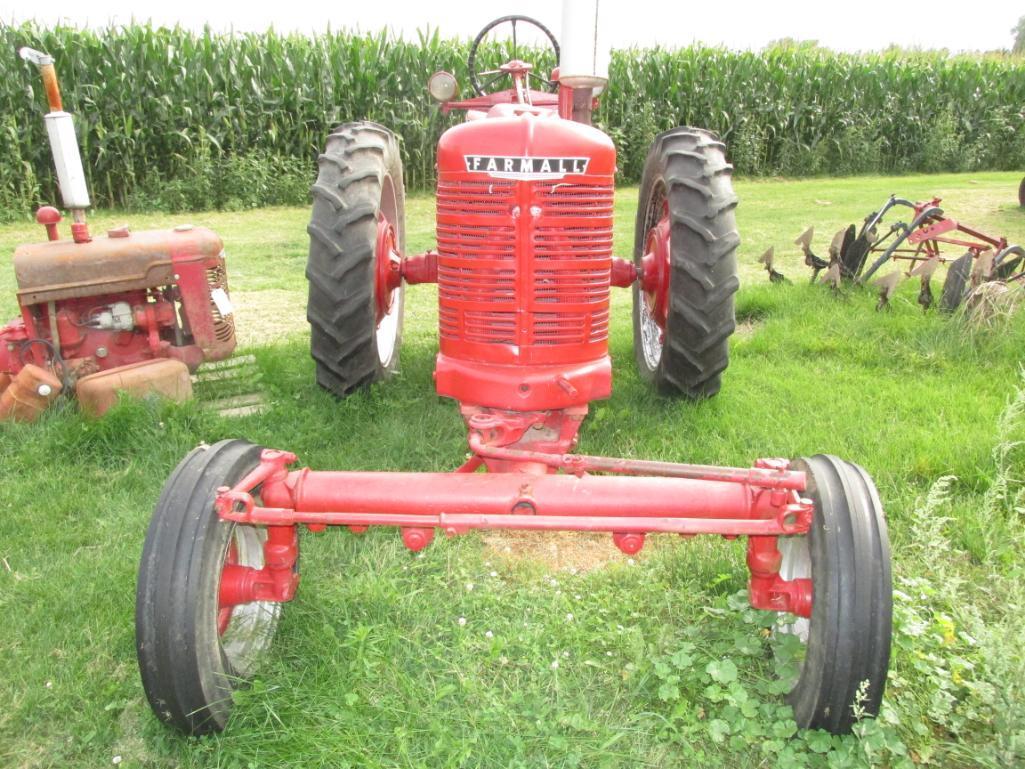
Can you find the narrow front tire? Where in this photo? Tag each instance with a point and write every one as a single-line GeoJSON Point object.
{"type": "Point", "coordinates": [846, 554]}
{"type": "Point", "coordinates": [194, 652]}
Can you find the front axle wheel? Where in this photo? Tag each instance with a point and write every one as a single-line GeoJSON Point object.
{"type": "Point", "coordinates": [198, 636]}
{"type": "Point", "coordinates": [847, 638]}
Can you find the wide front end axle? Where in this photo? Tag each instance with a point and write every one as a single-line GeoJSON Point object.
{"type": "Point", "coordinates": [762, 503]}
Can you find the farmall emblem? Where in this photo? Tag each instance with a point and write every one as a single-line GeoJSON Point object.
{"type": "Point", "coordinates": [525, 168]}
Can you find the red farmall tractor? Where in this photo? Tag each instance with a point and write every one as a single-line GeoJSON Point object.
{"type": "Point", "coordinates": [524, 268]}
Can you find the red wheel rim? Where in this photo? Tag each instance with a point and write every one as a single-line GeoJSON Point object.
{"type": "Point", "coordinates": [388, 262]}
{"type": "Point", "coordinates": [655, 265]}
{"type": "Point", "coordinates": [655, 274]}
{"type": "Point", "coordinates": [225, 611]}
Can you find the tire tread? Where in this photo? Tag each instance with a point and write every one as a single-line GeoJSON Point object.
{"type": "Point", "coordinates": [182, 530]}
{"type": "Point", "coordinates": [340, 269]}
{"type": "Point", "coordinates": [851, 625]}
{"type": "Point", "coordinates": [691, 162]}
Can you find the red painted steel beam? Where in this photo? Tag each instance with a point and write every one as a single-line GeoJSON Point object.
{"type": "Point", "coordinates": [458, 523]}
{"type": "Point", "coordinates": [932, 231]}
{"type": "Point", "coordinates": [943, 226]}
{"type": "Point", "coordinates": [501, 493]}
{"type": "Point", "coordinates": [769, 474]}
{"type": "Point", "coordinates": [741, 502]}
{"type": "Point", "coordinates": [756, 503]}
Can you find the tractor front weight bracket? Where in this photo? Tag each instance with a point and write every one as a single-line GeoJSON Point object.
{"type": "Point", "coordinates": [278, 579]}
{"type": "Point", "coordinates": [626, 498]}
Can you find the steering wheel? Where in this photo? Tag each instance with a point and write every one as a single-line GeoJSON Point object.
{"type": "Point", "coordinates": [471, 60]}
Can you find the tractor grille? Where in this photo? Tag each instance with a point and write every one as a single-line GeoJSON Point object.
{"type": "Point", "coordinates": [525, 264]}
{"type": "Point", "coordinates": [224, 327]}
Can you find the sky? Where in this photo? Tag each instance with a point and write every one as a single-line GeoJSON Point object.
{"type": "Point", "coordinates": [738, 24]}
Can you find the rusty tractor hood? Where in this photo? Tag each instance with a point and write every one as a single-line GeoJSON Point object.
{"type": "Point", "coordinates": [63, 269]}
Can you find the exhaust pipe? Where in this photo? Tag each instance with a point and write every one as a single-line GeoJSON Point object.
{"type": "Point", "coordinates": [584, 59]}
{"type": "Point", "coordinates": [67, 160]}
{"type": "Point", "coordinates": [585, 53]}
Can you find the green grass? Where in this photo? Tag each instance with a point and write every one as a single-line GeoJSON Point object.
{"type": "Point", "coordinates": [660, 665]}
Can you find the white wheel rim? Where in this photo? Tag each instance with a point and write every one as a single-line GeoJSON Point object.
{"type": "Point", "coordinates": [387, 333]}
{"type": "Point", "coordinates": [651, 336]}
{"type": "Point", "coordinates": [251, 627]}
{"type": "Point", "coordinates": [796, 564]}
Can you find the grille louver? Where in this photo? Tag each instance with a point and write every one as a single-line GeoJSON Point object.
{"type": "Point", "coordinates": [559, 287]}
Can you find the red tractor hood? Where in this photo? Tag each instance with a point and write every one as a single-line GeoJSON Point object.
{"type": "Point", "coordinates": [525, 205]}
{"type": "Point", "coordinates": [524, 143]}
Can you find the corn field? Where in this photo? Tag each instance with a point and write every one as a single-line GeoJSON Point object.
{"type": "Point", "coordinates": [238, 119]}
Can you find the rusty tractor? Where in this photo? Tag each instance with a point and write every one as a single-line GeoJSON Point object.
{"type": "Point", "coordinates": [128, 311]}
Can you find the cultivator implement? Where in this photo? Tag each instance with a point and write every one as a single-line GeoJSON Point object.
{"type": "Point", "coordinates": [924, 239]}
{"type": "Point", "coordinates": [524, 269]}
{"type": "Point", "coordinates": [930, 234]}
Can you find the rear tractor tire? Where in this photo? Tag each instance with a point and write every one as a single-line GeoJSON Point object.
{"type": "Point", "coordinates": [194, 651]}
{"type": "Point", "coordinates": [685, 245]}
{"type": "Point", "coordinates": [846, 641]}
{"type": "Point", "coordinates": [357, 236]}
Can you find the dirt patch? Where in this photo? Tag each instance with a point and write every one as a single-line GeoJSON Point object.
{"type": "Point", "coordinates": [747, 329]}
{"type": "Point", "coordinates": [131, 747]}
{"type": "Point", "coordinates": [574, 551]}
{"type": "Point", "coordinates": [270, 315]}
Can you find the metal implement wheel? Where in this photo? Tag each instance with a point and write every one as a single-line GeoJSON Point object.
{"type": "Point", "coordinates": [847, 638]}
{"type": "Point", "coordinates": [194, 645]}
{"type": "Point", "coordinates": [685, 247]}
{"type": "Point", "coordinates": [471, 60]}
{"type": "Point", "coordinates": [357, 237]}
{"type": "Point", "coordinates": [957, 284]}
{"type": "Point", "coordinates": [1009, 264]}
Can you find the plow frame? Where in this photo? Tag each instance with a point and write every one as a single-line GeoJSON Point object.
{"type": "Point", "coordinates": [926, 236]}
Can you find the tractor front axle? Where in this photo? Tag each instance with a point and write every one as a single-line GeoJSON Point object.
{"type": "Point", "coordinates": [762, 503]}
